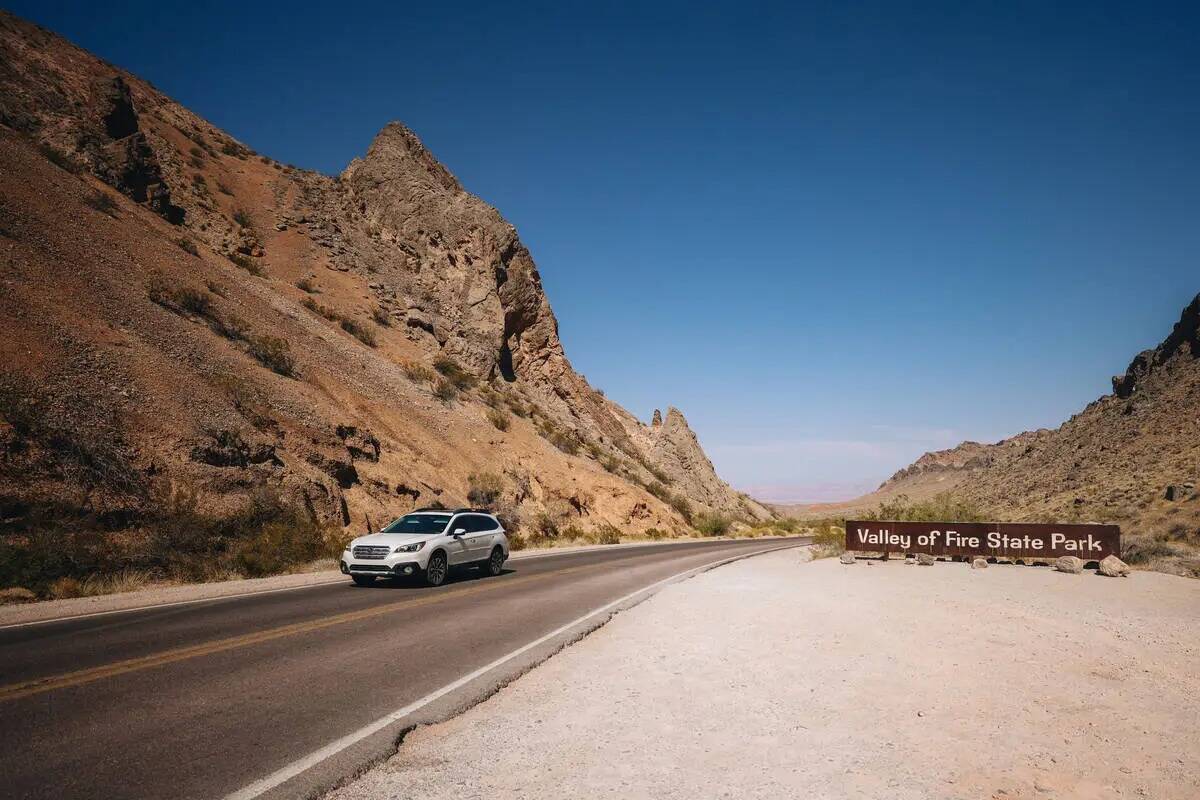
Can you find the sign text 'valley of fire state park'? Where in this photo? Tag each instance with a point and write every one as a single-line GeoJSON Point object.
{"type": "Point", "coordinates": [999, 539]}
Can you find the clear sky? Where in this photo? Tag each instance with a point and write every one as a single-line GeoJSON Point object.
{"type": "Point", "coordinates": [835, 235]}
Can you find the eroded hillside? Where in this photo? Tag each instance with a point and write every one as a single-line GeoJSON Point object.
{"type": "Point", "coordinates": [183, 317]}
{"type": "Point", "coordinates": [1131, 457]}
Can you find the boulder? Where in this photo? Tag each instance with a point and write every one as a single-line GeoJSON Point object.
{"type": "Point", "coordinates": [978, 563]}
{"type": "Point", "coordinates": [847, 558]}
{"type": "Point", "coordinates": [1114, 567]}
{"type": "Point", "coordinates": [1070, 564]}
{"type": "Point", "coordinates": [926, 560]}
{"type": "Point", "coordinates": [805, 555]}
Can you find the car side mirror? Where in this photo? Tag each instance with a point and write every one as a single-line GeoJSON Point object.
{"type": "Point", "coordinates": [459, 531]}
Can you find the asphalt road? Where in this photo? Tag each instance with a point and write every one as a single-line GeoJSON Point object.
{"type": "Point", "coordinates": [209, 699]}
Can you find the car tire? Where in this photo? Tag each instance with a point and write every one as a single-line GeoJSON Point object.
{"type": "Point", "coordinates": [495, 562]}
{"type": "Point", "coordinates": [437, 569]}
{"type": "Point", "coordinates": [363, 580]}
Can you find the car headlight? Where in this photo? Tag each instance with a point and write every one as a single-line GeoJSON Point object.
{"type": "Point", "coordinates": [409, 548]}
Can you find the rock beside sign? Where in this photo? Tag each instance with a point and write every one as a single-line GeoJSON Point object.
{"type": "Point", "coordinates": [1070, 564]}
{"type": "Point", "coordinates": [847, 558]}
{"type": "Point", "coordinates": [978, 563]}
{"type": "Point", "coordinates": [1114, 567]}
{"type": "Point", "coordinates": [926, 560]}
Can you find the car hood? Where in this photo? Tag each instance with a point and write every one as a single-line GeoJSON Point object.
{"type": "Point", "coordinates": [393, 539]}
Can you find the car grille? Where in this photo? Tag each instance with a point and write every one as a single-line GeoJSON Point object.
{"type": "Point", "coordinates": [370, 568]}
{"type": "Point", "coordinates": [371, 552]}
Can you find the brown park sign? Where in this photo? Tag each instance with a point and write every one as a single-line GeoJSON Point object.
{"type": "Point", "coordinates": [999, 539]}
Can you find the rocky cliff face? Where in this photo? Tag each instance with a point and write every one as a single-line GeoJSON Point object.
{"type": "Point", "coordinates": [189, 313]}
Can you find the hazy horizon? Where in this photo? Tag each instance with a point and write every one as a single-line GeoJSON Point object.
{"type": "Point", "coordinates": [835, 238]}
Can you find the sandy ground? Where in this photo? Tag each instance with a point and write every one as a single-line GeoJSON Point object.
{"type": "Point", "coordinates": [776, 679]}
{"type": "Point", "coordinates": [166, 594]}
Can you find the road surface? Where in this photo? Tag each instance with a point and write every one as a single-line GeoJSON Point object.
{"type": "Point", "coordinates": [285, 694]}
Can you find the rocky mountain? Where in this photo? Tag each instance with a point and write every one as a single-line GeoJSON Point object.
{"type": "Point", "coordinates": [1131, 457]}
{"type": "Point", "coordinates": [181, 314]}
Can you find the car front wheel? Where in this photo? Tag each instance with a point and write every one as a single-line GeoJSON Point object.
{"type": "Point", "coordinates": [435, 573]}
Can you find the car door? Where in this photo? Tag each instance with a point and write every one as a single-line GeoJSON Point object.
{"type": "Point", "coordinates": [481, 534]}
{"type": "Point", "coordinates": [458, 547]}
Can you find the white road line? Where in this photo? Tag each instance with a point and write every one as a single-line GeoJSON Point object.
{"type": "Point", "coordinates": [339, 579]}
{"type": "Point", "coordinates": [314, 758]}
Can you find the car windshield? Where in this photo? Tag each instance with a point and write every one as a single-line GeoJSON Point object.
{"type": "Point", "coordinates": [418, 523]}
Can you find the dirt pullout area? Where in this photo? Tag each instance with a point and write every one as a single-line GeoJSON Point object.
{"type": "Point", "coordinates": [772, 678]}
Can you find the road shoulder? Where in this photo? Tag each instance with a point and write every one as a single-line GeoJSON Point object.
{"type": "Point", "coordinates": [772, 678]}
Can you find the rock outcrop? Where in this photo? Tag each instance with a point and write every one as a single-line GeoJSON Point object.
{"type": "Point", "coordinates": [179, 311]}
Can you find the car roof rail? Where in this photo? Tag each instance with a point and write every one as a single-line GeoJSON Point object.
{"type": "Point", "coordinates": [428, 508]}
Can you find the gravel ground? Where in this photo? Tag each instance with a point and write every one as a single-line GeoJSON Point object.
{"type": "Point", "coordinates": [772, 678]}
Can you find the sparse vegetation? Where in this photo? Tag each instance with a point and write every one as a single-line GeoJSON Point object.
{"type": "Point", "coordinates": [417, 372]}
{"type": "Point", "coordinates": [223, 189]}
{"type": "Point", "coordinates": [215, 288]}
{"type": "Point", "coordinates": [943, 506]}
{"type": "Point", "coordinates": [452, 371]}
{"type": "Point", "coordinates": [307, 284]}
{"type": "Point", "coordinates": [248, 264]}
{"type": "Point", "coordinates": [712, 524]}
{"type": "Point", "coordinates": [682, 506]}
{"type": "Point", "coordinates": [498, 418]}
{"type": "Point", "coordinates": [363, 332]}
{"type": "Point", "coordinates": [102, 202]}
{"type": "Point", "coordinates": [382, 317]}
{"type": "Point", "coordinates": [179, 298]}
{"type": "Point", "coordinates": [484, 489]}
{"type": "Point", "coordinates": [445, 390]}
{"type": "Point", "coordinates": [241, 217]}
{"type": "Point", "coordinates": [59, 158]}
{"type": "Point", "coordinates": [274, 354]}
{"type": "Point", "coordinates": [187, 246]}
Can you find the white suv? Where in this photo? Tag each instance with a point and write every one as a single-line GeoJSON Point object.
{"type": "Point", "coordinates": [428, 542]}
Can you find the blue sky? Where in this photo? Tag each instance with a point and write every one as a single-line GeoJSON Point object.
{"type": "Point", "coordinates": [835, 235]}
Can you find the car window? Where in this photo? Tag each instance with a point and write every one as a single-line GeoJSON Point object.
{"type": "Point", "coordinates": [485, 523]}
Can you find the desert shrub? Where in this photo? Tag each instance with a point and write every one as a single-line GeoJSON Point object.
{"type": "Point", "coordinates": [215, 288]}
{"type": "Point", "coordinates": [655, 534]}
{"type": "Point", "coordinates": [941, 507]}
{"type": "Point", "coordinates": [101, 202]}
{"type": "Point", "coordinates": [241, 217]}
{"type": "Point", "coordinates": [232, 148]}
{"type": "Point", "coordinates": [682, 506]}
{"type": "Point", "coordinates": [59, 158]}
{"type": "Point", "coordinates": [610, 464]}
{"type": "Point", "coordinates": [382, 317]}
{"type": "Point", "coordinates": [248, 264]}
{"type": "Point", "coordinates": [714, 524]}
{"type": "Point", "coordinates": [360, 331]}
{"type": "Point", "coordinates": [658, 474]}
{"type": "Point", "coordinates": [452, 371]}
{"type": "Point", "coordinates": [232, 327]}
{"type": "Point", "coordinates": [417, 372]}
{"type": "Point", "coordinates": [516, 406]}
{"type": "Point", "coordinates": [274, 354]}
{"type": "Point", "coordinates": [223, 189]}
{"type": "Point", "coordinates": [564, 441]}
{"type": "Point", "coordinates": [307, 285]}
{"type": "Point", "coordinates": [1144, 549]}
{"type": "Point", "coordinates": [604, 534]}
{"type": "Point", "coordinates": [498, 418]}
{"type": "Point", "coordinates": [187, 246]}
{"type": "Point", "coordinates": [445, 390]}
{"type": "Point", "coordinates": [484, 489]}
{"type": "Point", "coordinates": [179, 298]}
{"type": "Point", "coordinates": [658, 490]}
